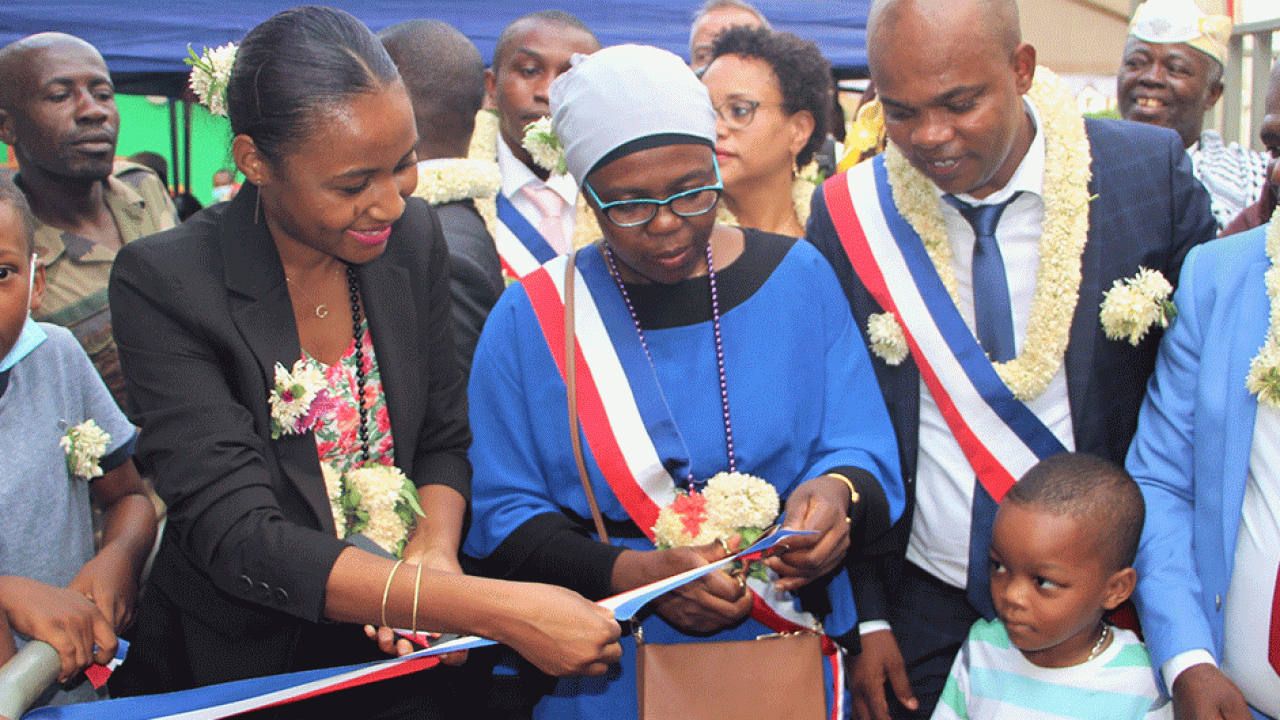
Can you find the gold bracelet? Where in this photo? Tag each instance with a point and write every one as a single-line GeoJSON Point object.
{"type": "Point", "coordinates": [387, 591]}
{"type": "Point", "coordinates": [853, 494]}
{"type": "Point", "coordinates": [417, 585]}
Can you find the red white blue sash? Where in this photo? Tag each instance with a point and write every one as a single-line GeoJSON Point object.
{"type": "Point", "coordinates": [521, 248]}
{"type": "Point", "coordinates": [998, 434]}
{"type": "Point", "coordinates": [626, 419]}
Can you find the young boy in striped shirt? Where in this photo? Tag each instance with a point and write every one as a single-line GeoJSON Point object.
{"type": "Point", "coordinates": [1062, 551]}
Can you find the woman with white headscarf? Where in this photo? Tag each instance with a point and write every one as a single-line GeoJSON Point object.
{"type": "Point", "coordinates": [700, 349]}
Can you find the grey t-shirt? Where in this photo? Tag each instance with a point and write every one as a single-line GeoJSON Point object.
{"type": "Point", "coordinates": [46, 526]}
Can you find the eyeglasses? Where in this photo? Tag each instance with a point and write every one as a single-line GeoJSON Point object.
{"type": "Point", "coordinates": [633, 213]}
{"type": "Point", "coordinates": [738, 114]}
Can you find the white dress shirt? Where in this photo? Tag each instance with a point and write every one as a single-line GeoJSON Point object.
{"type": "Point", "coordinates": [515, 175]}
{"type": "Point", "coordinates": [939, 541]}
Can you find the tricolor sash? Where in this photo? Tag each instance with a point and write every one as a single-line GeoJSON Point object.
{"type": "Point", "coordinates": [521, 248]}
{"type": "Point", "coordinates": [998, 434]}
{"type": "Point", "coordinates": [626, 420]}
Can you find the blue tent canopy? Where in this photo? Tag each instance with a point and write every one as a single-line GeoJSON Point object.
{"type": "Point", "coordinates": [148, 40]}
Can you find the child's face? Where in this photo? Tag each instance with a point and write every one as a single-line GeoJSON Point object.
{"type": "Point", "coordinates": [1050, 585]}
{"type": "Point", "coordinates": [15, 266]}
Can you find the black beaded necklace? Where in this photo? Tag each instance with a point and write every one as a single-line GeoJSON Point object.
{"type": "Point", "coordinates": [715, 324]}
{"type": "Point", "coordinates": [353, 286]}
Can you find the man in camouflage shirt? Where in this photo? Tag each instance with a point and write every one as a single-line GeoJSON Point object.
{"type": "Point", "coordinates": [58, 112]}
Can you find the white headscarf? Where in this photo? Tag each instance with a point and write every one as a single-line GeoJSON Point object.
{"type": "Point", "coordinates": [627, 98]}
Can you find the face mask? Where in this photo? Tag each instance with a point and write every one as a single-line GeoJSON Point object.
{"type": "Point", "coordinates": [222, 192]}
{"type": "Point", "coordinates": [32, 335]}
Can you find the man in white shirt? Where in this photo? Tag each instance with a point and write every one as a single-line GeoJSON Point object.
{"type": "Point", "coordinates": [988, 230]}
{"type": "Point", "coordinates": [531, 52]}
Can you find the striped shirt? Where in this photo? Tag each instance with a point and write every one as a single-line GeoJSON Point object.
{"type": "Point", "coordinates": [991, 679]}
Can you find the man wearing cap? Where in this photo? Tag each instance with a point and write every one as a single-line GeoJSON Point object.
{"type": "Point", "coordinates": [975, 253]}
{"type": "Point", "coordinates": [58, 112]}
{"type": "Point", "coordinates": [1171, 75]}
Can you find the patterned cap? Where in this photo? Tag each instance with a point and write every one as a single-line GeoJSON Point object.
{"type": "Point", "coordinates": [1182, 21]}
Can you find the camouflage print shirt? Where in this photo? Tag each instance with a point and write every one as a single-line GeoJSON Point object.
{"type": "Point", "coordinates": [77, 269]}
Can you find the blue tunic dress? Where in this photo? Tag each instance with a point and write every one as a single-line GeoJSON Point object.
{"type": "Point", "coordinates": [804, 401]}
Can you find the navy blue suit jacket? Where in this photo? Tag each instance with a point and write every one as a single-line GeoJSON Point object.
{"type": "Point", "coordinates": [1147, 210]}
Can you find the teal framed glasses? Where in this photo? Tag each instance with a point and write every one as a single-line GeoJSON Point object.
{"type": "Point", "coordinates": [633, 213]}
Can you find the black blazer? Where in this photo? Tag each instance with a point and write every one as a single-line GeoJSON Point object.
{"type": "Point", "coordinates": [204, 316]}
{"type": "Point", "coordinates": [1147, 210]}
{"type": "Point", "coordinates": [475, 274]}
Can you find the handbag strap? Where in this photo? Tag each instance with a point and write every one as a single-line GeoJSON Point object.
{"type": "Point", "coordinates": [571, 388]}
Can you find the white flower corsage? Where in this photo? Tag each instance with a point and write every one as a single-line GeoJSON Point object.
{"type": "Point", "coordinates": [85, 445]}
{"type": "Point", "coordinates": [299, 398]}
{"type": "Point", "coordinates": [888, 341]}
{"type": "Point", "coordinates": [448, 180]}
{"type": "Point", "coordinates": [210, 73]}
{"type": "Point", "coordinates": [1264, 370]}
{"type": "Point", "coordinates": [1134, 305]}
{"type": "Point", "coordinates": [730, 504]}
{"type": "Point", "coordinates": [375, 499]}
{"type": "Point", "coordinates": [544, 147]}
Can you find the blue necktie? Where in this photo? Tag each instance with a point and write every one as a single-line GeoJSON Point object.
{"type": "Point", "coordinates": [993, 324]}
{"type": "Point", "coordinates": [992, 316]}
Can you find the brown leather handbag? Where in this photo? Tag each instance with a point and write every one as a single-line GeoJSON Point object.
{"type": "Point", "coordinates": [774, 676]}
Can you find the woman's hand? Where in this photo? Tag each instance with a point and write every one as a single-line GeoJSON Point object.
{"type": "Point", "coordinates": [707, 604]}
{"type": "Point", "coordinates": [556, 629]}
{"type": "Point", "coordinates": [62, 617]}
{"type": "Point", "coordinates": [387, 640]}
{"type": "Point", "coordinates": [822, 505]}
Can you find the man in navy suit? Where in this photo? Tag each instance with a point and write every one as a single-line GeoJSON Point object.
{"type": "Point", "coordinates": [969, 233]}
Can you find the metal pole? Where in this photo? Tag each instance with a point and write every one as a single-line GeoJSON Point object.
{"type": "Point", "coordinates": [26, 676]}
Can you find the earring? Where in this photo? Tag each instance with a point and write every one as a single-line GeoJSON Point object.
{"type": "Point", "coordinates": [257, 208]}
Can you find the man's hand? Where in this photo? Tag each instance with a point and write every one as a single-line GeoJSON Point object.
{"type": "Point", "coordinates": [879, 661]}
{"type": "Point", "coordinates": [707, 604]}
{"type": "Point", "coordinates": [1203, 692]}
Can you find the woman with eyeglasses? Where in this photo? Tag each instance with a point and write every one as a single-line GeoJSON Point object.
{"type": "Point", "coordinates": [772, 94]}
{"type": "Point", "coordinates": [700, 348]}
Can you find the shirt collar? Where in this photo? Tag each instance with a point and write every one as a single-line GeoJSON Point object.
{"type": "Point", "coordinates": [516, 175]}
{"type": "Point", "coordinates": [1028, 177]}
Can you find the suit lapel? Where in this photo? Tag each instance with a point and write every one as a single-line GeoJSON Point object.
{"type": "Point", "coordinates": [388, 300]}
{"type": "Point", "coordinates": [1079, 358]}
{"type": "Point", "coordinates": [1251, 320]}
{"type": "Point", "coordinates": [262, 313]}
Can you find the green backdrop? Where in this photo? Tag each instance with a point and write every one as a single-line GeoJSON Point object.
{"type": "Point", "coordinates": [144, 125]}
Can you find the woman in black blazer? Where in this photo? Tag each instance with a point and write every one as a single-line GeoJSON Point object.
{"type": "Point", "coordinates": [319, 253]}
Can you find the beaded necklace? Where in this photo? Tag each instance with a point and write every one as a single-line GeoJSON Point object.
{"type": "Point", "coordinates": [715, 324]}
{"type": "Point", "coordinates": [353, 286]}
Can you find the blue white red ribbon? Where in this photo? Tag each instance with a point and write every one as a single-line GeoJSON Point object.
{"type": "Point", "coordinates": [219, 701]}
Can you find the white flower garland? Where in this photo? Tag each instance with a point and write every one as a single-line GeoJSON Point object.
{"type": "Point", "coordinates": [1264, 370]}
{"type": "Point", "coordinates": [1134, 305]}
{"type": "Point", "coordinates": [210, 73]}
{"type": "Point", "coordinates": [1065, 229]}
{"type": "Point", "coordinates": [85, 445]}
{"type": "Point", "coordinates": [452, 179]}
{"type": "Point", "coordinates": [375, 499]}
